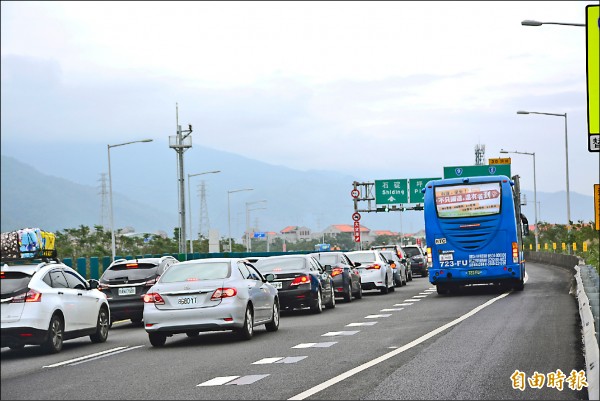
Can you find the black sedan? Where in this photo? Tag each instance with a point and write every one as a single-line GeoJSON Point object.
{"type": "Point", "coordinates": [301, 280]}
{"type": "Point", "coordinates": [346, 277]}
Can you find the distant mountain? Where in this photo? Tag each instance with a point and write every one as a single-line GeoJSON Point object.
{"type": "Point", "coordinates": [57, 185]}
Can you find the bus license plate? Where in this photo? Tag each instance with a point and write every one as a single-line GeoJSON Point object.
{"type": "Point", "coordinates": [127, 291]}
{"type": "Point", "coordinates": [473, 272]}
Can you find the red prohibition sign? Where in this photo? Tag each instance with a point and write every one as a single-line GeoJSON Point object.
{"type": "Point", "coordinates": [356, 216]}
{"type": "Point", "coordinates": [355, 193]}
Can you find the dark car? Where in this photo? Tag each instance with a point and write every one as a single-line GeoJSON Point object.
{"type": "Point", "coordinates": [398, 267]}
{"type": "Point", "coordinates": [346, 277]}
{"type": "Point", "coordinates": [126, 281]}
{"type": "Point", "coordinates": [418, 260]}
{"type": "Point", "coordinates": [301, 281]}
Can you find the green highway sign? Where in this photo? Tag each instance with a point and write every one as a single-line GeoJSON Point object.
{"type": "Point", "coordinates": [474, 171]}
{"type": "Point", "coordinates": [389, 192]}
{"type": "Point", "coordinates": [416, 185]}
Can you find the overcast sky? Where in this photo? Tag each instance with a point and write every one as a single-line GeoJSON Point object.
{"type": "Point", "coordinates": [379, 90]}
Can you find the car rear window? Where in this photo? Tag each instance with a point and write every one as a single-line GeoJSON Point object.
{"type": "Point", "coordinates": [412, 251]}
{"type": "Point", "coordinates": [268, 265]}
{"type": "Point", "coordinates": [13, 283]}
{"type": "Point", "coordinates": [196, 272]}
{"type": "Point", "coordinates": [363, 257]}
{"type": "Point", "coordinates": [326, 258]}
{"type": "Point", "coordinates": [133, 271]}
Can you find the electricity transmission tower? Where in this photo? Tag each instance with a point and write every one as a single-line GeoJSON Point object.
{"type": "Point", "coordinates": [479, 155]}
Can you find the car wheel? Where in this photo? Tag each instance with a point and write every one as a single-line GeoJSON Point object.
{"type": "Point", "coordinates": [359, 293]}
{"type": "Point", "coordinates": [136, 321]}
{"type": "Point", "coordinates": [192, 334]}
{"type": "Point", "coordinates": [17, 347]}
{"type": "Point", "coordinates": [247, 330]}
{"type": "Point", "coordinates": [317, 305]}
{"type": "Point", "coordinates": [102, 326]}
{"type": "Point", "coordinates": [273, 325]}
{"type": "Point", "coordinates": [348, 294]}
{"type": "Point", "coordinates": [157, 339]}
{"type": "Point", "coordinates": [54, 341]}
{"type": "Point", "coordinates": [410, 276]}
{"type": "Point", "coordinates": [331, 303]}
{"type": "Point", "coordinates": [385, 289]}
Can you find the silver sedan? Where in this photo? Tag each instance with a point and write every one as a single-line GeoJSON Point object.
{"type": "Point", "coordinates": [210, 295]}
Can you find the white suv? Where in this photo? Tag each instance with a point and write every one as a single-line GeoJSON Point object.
{"type": "Point", "coordinates": [49, 302]}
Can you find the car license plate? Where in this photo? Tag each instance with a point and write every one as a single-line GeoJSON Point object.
{"type": "Point", "coordinates": [127, 291]}
{"type": "Point", "coordinates": [473, 272]}
{"type": "Point", "coordinates": [277, 284]}
{"type": "Point", "coordinates": [186, 300]}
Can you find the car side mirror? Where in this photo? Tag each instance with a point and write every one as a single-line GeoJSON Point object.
{"type": "Point", "coordinates": [328, 269]}
{"type": "Point", "coordinates": [403, 260]}
{"type": "Point", "coordinates": [93, 283]}
{"type": "Point", "coordinates": [269, 277]}
{"type": "Point", "coordinates": [356, 264]}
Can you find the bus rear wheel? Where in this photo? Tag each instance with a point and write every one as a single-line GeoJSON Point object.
{"type": "Point", "coordinates": [441, 289]}
{"type": "Point", "coordinates": [519, 285]}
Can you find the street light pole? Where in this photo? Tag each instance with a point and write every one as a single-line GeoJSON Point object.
{"type": "Point", "coordinates": [566, 159]}
{"type": "Point", "coordinates": [247, 236]}
{"type": "Point", "coordinates": [229, 210]}
{"type": "Point", "coordinates": [112, 222]}
{"type": "Point", "coordinates": [534, 194]}
{"type": "Point", "coordinates": [190, 204]}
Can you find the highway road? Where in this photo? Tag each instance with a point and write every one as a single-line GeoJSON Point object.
{"type": "Point", "coordinates": [409, 344]}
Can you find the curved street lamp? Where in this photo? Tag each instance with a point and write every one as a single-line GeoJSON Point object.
{"type": "Point", "coordinates": [529, 22]}
{"type": "Point", "coordinates": [112, 224]}
{"type": "Point", "coordinates": [534, 193]}
{"type": "Point", "coordinates": [229, 210]}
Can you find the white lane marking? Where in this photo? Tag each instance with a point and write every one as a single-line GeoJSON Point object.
{"type": "Point", "coordinates": [424, 293]}
{"type": "Point", "coordinates": [361, 324]}
{"type": "Point", "coordinates": [315, 345]}
{"type": "Point", "coordinates": [358, 369]}
{"type": "Point", "coordinates": [292, 359]}
{"type": "Point", "coordinates": [412, 300]}
{"type": "Point", "coordinates": [83, 357]}
{"type": "Point", "coordinates": [246, 380]}
{"type": "Point", "coordinates": [405, 304]}
{"type": "Point", "coordinates": [378, 316]}
{"type": "Point", "coordinates": [268, 360]}
{"type": "Point", "coordinates": [391, 309]}
{"type": "Point", "coordinates": [420, 296]}
{"type": "Point", "coordinates": [104, 356]}
{"type": "Point", "coordinates": [340, 333]}
{"type": "Point", "coordinates": [217, 381]}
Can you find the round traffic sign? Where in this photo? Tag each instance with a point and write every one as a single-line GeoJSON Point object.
{"type": "Point", "coordinates": [356, 216]}
{"type": "Point", "coordinates": [355, 193]}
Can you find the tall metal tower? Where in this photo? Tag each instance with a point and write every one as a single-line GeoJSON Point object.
{"type": "Point", "coordinates": [479, 155]}
{"type": "Point", "coordinates": [104, 200]}
{"type": "Point", "coordinates": [204, 225]}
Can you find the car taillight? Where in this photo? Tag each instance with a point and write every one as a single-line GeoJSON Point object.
{"type": "Point", "coordinates": [301, 280]}
{"type": "Point", "coordinates": [153, 298]}
{"type": "Point", "coordinates": [150, 283]}
{"type": "Point", "coordinates": [374, 267]}
{"type": "Point", "coordinates": [336, 271]}
{"type": "Point", "coordinates": [29, 296]}
{"type": "Point", "coordinates": [223, 293]}
{"type": "Point", "coordinates": [102, 287]}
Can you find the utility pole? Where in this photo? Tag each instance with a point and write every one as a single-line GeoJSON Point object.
{"type": "Point", "coordinates": [181, 143]}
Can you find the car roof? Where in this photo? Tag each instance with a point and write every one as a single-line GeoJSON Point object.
{"type": "Point", "coordinates": [30, 269]}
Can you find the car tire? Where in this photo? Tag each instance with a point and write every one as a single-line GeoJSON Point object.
{"type": "Point", "coordinates": [410, 277]}
{"type": "Point", "coordinates": [331, 303]}
{"type": "Point", "coordinates": [54, 341]}
{"type": "Point", "coordinates": [317, 306]}
{"type": "Point", "coordinates": [102, 327]}
{"type": "Point", "coordinates": [17, 347]}
{"type": "Point", "coordinates": [385, 289]}
{"type": "Point", "coordinates": [192, 334]}
{"type": "Point", "coordinates": [359, 293]}
{"type": "Point", "coordinates": [137, 320]}
{"type": "Point", "coordinates": [157, 339]}
{"type": "Point", "coordinates": [348, 294]}
{"type": "Point", "coordinates": [247, 330]}
{"type": "Point", "coordinates": [273, 325]}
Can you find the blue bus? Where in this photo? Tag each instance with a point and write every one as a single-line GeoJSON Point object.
{"type": "Point", "coordinates": [473, 231]}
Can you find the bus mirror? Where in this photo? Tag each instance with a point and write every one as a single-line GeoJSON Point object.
{"type": "Point", "coordinates": [525, 230]}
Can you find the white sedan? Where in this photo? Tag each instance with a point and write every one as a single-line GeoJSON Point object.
{"type": "Point", "coordinates": [375, 272]}
{"type": "Point", "coordinates": [210, 295]}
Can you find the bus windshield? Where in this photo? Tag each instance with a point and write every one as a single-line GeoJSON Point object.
{"type": "Point", "coordinates": [468, 200]}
